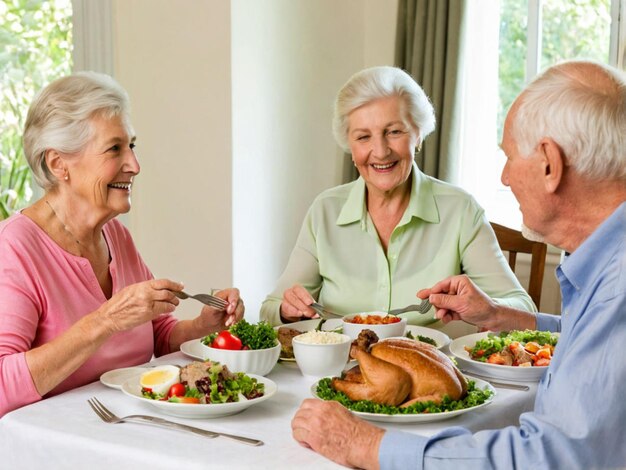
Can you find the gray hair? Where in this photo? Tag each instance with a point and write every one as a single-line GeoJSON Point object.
{"type": "Point", "coordinates": [581, 105]}
{"type": "Point", "coordinates": [382, 82]}
{"type": "Point", "coordinates": [60, 117]}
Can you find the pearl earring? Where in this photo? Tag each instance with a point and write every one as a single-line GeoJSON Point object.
{"type": "Point", "coordinates": [66, 177]}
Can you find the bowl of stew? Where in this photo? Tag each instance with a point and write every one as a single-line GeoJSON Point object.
{"type": "Point", "coordinates": [384, 325]}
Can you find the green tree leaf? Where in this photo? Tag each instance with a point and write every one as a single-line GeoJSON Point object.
{"type": "Point", "coordinates": [35, 49]}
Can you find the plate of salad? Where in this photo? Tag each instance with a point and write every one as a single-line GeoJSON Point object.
{"type": "Point", "coordinates": [480, 393]}
{"type": "Point", "coordinates": [510, 355]}
{"type": "Point", "coordinates": [216, 391]}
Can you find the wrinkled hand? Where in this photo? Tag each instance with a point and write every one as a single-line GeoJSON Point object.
{"type": "Point", "coordinates": [140, 303]}
{"type": "Point", "coordinates": [215, 319]}
{"type": "Point", "coordinates": [296, 304]}
{"type": "Point", "coordinates": [458, 298]}
{"type": "Point", "coordinates": [332, 431]}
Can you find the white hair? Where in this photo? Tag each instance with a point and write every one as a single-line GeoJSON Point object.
{"type": "Point", "coordinates": [581, 105]}
{"type": "Point", "coordinates": [60, 117]}
{"type": "Point", "coordinates": [382, 82]}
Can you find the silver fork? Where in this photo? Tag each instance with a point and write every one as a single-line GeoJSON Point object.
{"type": "Point", "coordinates": [206, 299]}
{"type": "Point", "coordinates": [324, 312]}
{"type": "Point", "coordinates": [422, 307]}
{"type": "Point", "coordinates": [108, 417]}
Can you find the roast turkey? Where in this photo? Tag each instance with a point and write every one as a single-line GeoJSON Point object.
{"type": "Point", "coordinates": [399, 371]}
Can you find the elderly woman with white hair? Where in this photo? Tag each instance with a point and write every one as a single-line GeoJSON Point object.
{"type": "Point", "coordinates": [371, 244]}
{"type": "Point", "coordinates": [76, 299]}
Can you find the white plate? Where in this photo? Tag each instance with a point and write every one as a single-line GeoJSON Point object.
{"type": "Point", "coordinates": [194, 349]}
{"type": "Point", "coordinates": [191, 410]}
{"type": "Point", "coordinates": [439, 337]}
{"type": "Point", "coordinates": [309, 325]}
{"type": "Point", "coordinates": [421, 417]}
{"type": "Point", "coordinates": [116, 378]}
{"type": "Point", "coordinates": [523, 374]}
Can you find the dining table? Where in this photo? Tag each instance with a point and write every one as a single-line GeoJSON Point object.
{"type": "Point", "coordinates": [63, 432]}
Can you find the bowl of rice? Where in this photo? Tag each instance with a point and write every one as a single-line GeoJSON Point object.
{"type": "Point", "coordinates": [321, 353]}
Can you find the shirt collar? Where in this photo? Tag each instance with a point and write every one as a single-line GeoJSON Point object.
{"type": "Point", "coordinates": [422, 203]}
{"type": "Point", "coordinates": [600, 247]}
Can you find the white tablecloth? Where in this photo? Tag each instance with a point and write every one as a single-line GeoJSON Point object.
{"type": "Point", "coordinates": [63, 432]}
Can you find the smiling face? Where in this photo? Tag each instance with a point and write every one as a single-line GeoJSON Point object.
{"type": "Point", "coordinates": [382, 140]}
{"type": "Point", "coordinates": [101, 175]}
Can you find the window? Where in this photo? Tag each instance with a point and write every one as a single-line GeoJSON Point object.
{"type": "Point", "coordinates": [35, 48]}
{"type": "Point", "coordinates": [508, 42]}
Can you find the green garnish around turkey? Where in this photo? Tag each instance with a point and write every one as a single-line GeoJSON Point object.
{"type": "Point", "coordinates": [474, 397]}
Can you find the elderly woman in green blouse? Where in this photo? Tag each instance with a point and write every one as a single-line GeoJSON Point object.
{"type": "Point", "coordinates": [371, 244]}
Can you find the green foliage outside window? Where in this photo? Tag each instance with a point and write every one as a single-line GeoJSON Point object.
{"type": "Point", "coordinates": [571, 29]}
{"type": "Point", "coordinates": [35, 49]}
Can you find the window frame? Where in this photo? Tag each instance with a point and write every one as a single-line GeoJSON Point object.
{"type": "Point", "coordinates": [617, 44]}
{"type": "Point", "coordinates": [480, 162]}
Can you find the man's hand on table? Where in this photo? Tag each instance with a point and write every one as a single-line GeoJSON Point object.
{"type": "Point", "coordinates": [332, 431]}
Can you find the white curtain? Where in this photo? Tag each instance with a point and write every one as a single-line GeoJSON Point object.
{"type": "Point", "coordinates": [93, 36]}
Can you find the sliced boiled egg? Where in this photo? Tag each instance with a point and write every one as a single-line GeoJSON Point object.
{"type": "Point", "coordinates": [160, 379]}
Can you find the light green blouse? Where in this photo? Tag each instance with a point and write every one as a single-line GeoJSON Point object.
{"type": "Point", "coordinates": [339, 259]}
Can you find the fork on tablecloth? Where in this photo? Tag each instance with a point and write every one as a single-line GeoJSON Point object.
{"type": "Point", "coordinates": [108, 417]}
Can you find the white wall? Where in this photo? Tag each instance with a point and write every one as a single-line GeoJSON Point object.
{"type": "Point", "coordinates": [289, 59]}
{"type": "Point", "coordinates": [173, 57]}
{"type": "Point", "coordinates": [224, 186]}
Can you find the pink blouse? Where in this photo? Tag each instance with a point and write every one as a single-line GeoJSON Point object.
{"type": "Point", "coordinates": [44, 290]}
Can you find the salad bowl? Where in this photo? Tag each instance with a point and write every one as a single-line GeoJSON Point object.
{"type": "Point", "coordinates": [250, 361]}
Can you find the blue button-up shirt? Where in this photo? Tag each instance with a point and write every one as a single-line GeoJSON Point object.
{"type": "Point", "coordinates": [580, 410]}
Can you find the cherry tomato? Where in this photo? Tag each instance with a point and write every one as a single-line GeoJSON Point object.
{"type": "Point", "coordinates": [176, 390]}
{"type": "Point", "coordinates": [225, 340]}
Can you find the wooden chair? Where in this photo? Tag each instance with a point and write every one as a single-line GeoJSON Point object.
{"type": "Point", "coordinates": [513, 242]}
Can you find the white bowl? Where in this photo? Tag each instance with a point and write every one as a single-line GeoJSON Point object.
{"type": "Point", "coordinates": [250, 361]}
{"type": "Point", "coordinates": [322, 360]}
{"type": "Point", "coordinates": [382, 331]}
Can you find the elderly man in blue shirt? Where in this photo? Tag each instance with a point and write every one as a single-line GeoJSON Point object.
{"type": "Point", "coordinates": [565, 142]}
